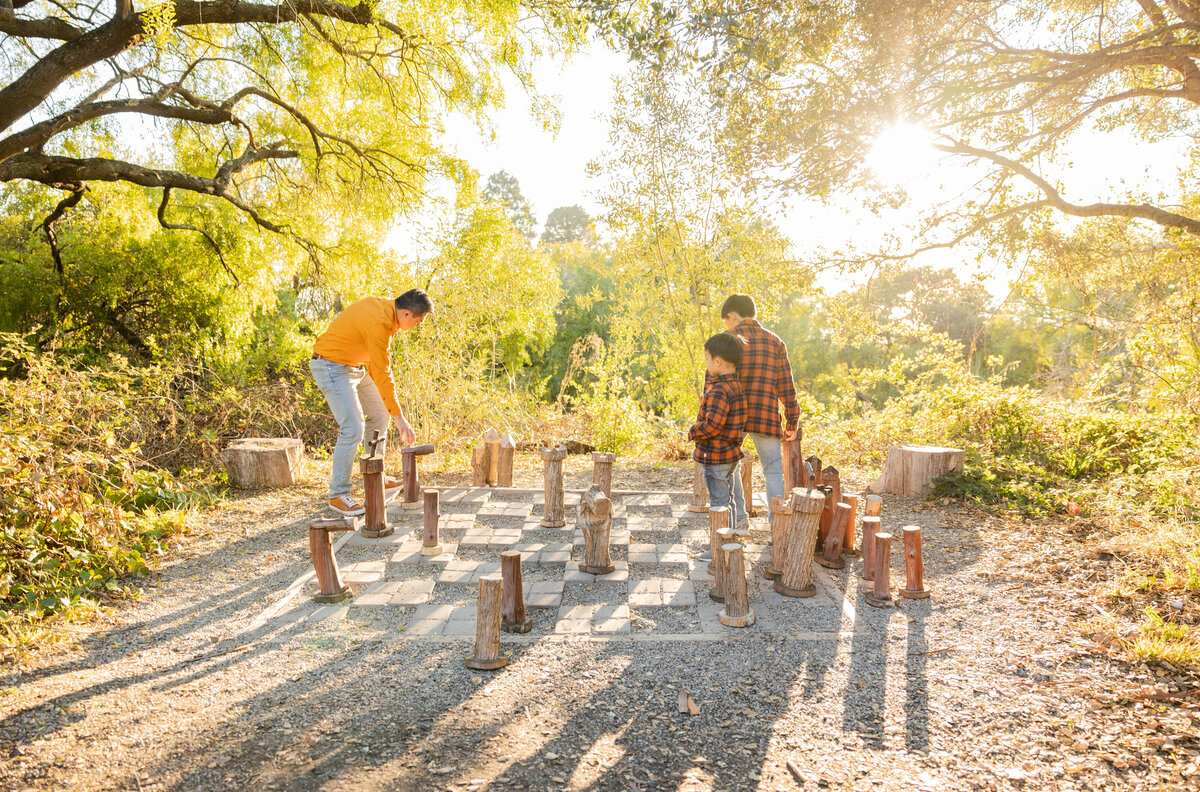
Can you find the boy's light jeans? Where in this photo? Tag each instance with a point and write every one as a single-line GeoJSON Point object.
{"type": "Point", "coordinates": [770, 454]}
{"type": "Point", "coordinates": [358, 409]}
{"type": "Point", "coordinates": [720, 482]}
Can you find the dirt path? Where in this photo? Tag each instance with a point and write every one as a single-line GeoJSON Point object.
{"type": "Point", "coordinates": [981, 687]}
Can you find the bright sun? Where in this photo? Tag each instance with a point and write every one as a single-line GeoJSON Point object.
{"type": "Point", "coordinates": [902, 153]}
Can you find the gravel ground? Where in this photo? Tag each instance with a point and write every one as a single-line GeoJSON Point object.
{"type": "Point", "coordinates": [985, 686]}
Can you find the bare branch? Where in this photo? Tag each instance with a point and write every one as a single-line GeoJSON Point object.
{"type": "Point", "coordinates": [162, 221]}
{"type": "Point", "coordinates": [44, 28]}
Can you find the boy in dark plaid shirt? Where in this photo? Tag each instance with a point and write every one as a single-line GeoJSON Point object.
{"type": "Point", "coordinates": [720, 426]}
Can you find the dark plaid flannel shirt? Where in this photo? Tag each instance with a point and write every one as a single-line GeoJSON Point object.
{"type": "Point", "coordinates": [720, 426]}
{"type": "Point", "coordinates": [766, 374]}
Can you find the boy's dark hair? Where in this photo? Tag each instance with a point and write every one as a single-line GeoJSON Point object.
{"type": "Point", "coordinates": [726, 346]}
{"type": "Point", "coordinates": [417, 301]}
{"type": "Point", "coordinates": [740, 304]}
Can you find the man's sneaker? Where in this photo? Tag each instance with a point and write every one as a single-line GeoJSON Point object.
{"type": "Point", "coordinates": [346, 506]}
{"type": "Point", "coordinates": [392, 486]}
{"type": "Point", "coordinates": [705, 557]}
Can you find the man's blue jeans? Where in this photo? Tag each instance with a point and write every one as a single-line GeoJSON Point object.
{"type": "Point", "coordinates": [770, 454]}
{"type": "Point", "coordinates": [357, 408]}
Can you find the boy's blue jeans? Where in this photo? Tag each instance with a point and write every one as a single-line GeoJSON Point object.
{"type": "Point", "coordinates": [723, 487]}
{"type": "Point", "coordinates": [770, 454]}
{"type": "Point", "coordinates": [358, 409]}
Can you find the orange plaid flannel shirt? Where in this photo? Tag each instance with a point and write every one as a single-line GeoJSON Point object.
{"type": "Point", "coordinates": [720, 426]}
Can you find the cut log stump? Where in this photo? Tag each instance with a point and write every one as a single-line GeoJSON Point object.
{"type": "Point", "coordinates": [504, 474]}
{"type": "Point", "coordinates": [737, 612]}
{"type": "Point", "coordinates": [375, 517]}
{"type": "Point", "coordinates": [431, 544]}
{"type": "Point", "coordinates": [555, 514]}
{"type": "Point", "coordinates": [781, 515]}
{"type": "Point", "coordinates": [831, 553]}
{"type": "Point", "coordinates": [513, 618]}
{"type": "Point", "coordinates": [491, 441]}
{"type": "Point", "coordinates": [746, 469]}
{"type": "Point", "coordinates": [263, 461]}
{"type": "Point", "coordinates": [914, 569]}
{"type": "Point", "coordinates": [851, 525]}
{"type": "Point", "coordinates": [478, 466]}
{"type": "Point", "coordinates": [699, 491]}
{"type": "Point", "coordinates": [320, 546]}
{"type": "Point", "coordinates": [412, 485]}
{"type": "Point", "coordinates": [799, 541]}
{"type": "Point", "coordinates": [487, 655]}
{"type": "Point", "coordinates": [910, 469]}
{"type": "Point", "coordinates": [602, 471]}
{"type": "Point", "coordinates": [881, 595]}
{"type": "Point", "coordinates": [870, 527]}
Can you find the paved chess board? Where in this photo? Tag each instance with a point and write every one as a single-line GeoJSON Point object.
{"type": "Point", "coordinates": [659, 590]}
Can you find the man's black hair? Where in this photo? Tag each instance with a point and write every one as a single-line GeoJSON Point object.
{"type": "Point", "coordinates": [740, 304]}
{"type": "Point", "coordinates": [417, 301]}
{"type": "Point", "coordinates": [726, 346]}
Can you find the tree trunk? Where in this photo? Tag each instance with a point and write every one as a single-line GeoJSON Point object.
{"type": "Point", "coordinates": [910, 469]}
{"type": "Point", "coordinates": [263, 461]}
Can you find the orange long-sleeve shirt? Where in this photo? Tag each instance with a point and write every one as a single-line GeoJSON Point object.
{"type": "Point", "coordinates": [361, 335]}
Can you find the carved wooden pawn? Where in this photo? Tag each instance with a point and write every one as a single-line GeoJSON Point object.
{"type": "Point", "coordinates": [852, 525]}
{"type": "Point", "coordinates": [746, 469]}
{"type": "Point", "coordinates": [699, 491]}
{"type": "Point", "coordinates": [914, 569]}
{"type": "Point", "coordinates": [831, 554]}
{"type": "Point", "coordinates": [320, 546]}
{"type": "Point", "coordinates": [487, 655]}
{"type": "Point", "coordinates": [412, 488]}
{"type": "Point", "coordinates": [781, 510]}
{"type": "Point", "coordinates": [491, 442]}
{"type": "Point", "coordinates": [478, 466]}
{"type": "Point", "coordinates": [513, 617]}
{"type": "Point", "coordinates": [795, 563]}
{"type": "Point", "coordinates": [881, 595]}
{"type": "Point", "coordinates": [555, 513]}
{"type": "Point", "coordinates": [870, 527]}
{"type": "Point", "coordinates": [595, 520]}
{"type": "Point", "coordinates": [718, 518]}
{"type": "Point", "coordinates": [737, 612]}
{"type": "Point", "coordinates": [504, 473]}
{"type": "Point", "coordinates": [602, 471]}
{"type": "Point", "coordinates": [431, 544]}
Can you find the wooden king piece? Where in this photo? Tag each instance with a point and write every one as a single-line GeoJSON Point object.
{"type": "Point", "coordinates": [795, 563]}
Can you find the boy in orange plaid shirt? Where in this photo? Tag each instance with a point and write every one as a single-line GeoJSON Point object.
{"type": "Point", "coordinates": [720, 425]}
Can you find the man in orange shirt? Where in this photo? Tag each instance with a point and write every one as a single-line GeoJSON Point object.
{"type": "Point", "coordinates": [356, 344]}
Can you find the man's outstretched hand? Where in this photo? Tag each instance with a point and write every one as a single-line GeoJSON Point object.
{"type": "Point", "coordinates": [407, 435]}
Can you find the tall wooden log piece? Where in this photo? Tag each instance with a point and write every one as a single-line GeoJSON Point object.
{"type": "Point", "coordinates": [781, 509]}
{"type": "Point", "coordinates": [852, 525]}
{"type": "Point", "coordinates": [874, 506]}
{"type": "Point", "coordinates": [412, 486]}
{"type": "Point", "coordinates": [595, 520]}
{"type": "Point", "coordinates": [508, 448]}
{"type": "Point", "coordinates": [718, 518]}
{"type": "Point", "coordinates": [870, 527]}
{"type": "Point", "coordinates": [914, 569]}
{"type": "Point", "coordinates": [699, 491]}
{"type": "Point", "coordinates": [793, 466]}
{"type": "Point", "coordinates": [831, 554]}
{"type": "Point", "coordinates": [331, 588]}
{"type": "Point", "coordinates": [487, 655]}
{"type": "Point", "coordinates": [513, 618]}
{"type": "Point", "coordinates": [478, 466]}
{"type": "Point", "coordinates": [431, 544]}
{"type": "Point", "coordinates": [375, 518]}
{"type": "Point", "coordinates": [831, 485]}
{"type": "Point", "coordinates": [795, 564]}
{"type": "Point", "coordinates": [725, 536]}
{"type": "Point", "coordinates": [602, 471]}
{"type": "Point", "coordinates": [737, 612]}
{"type": "Point", "coordinates": [491, 442]}
{"type": "Point", "coordinates": [263, 461]}
{"type": "Point", "coordinates": [881, 595]}
{"type": "Point", "coordinates": [555, 514]}
{"type": "Point", "coordinates": [746, 468]}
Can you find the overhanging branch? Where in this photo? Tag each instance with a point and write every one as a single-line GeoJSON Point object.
{"type": "Point", "coordinates": [162, 221]}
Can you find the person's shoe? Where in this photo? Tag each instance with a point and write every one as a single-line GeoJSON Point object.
{"type": "Point", "coordinates": [346, 506]}
{"type": "Point", "coordinates": [705, 557]}
{"type": "Point", "coordinates": [392, 487]}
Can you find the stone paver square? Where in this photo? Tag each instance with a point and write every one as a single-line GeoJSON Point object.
{"type": "Point", "coordinates": [412, 592]}
{"type": "Point", "coordinates": [544, 595]}
{"type": "Point", "coordinates": [619, 575]}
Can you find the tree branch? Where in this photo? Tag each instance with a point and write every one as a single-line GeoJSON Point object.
{"type": "Point", "coordinates": [44, 28]}
{"type": "Point", "coordinates": [162, 221]}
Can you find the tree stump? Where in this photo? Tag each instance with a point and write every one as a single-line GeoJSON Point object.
{"type": "Point", "coordinates": [431, 544]}
{"type": "Point", "coordinates": [491, 442]}
{"type": "Point", "coordinates": [737, 612]}
{"type": "Point", "coordinates": [487, 626]}
{"type": "Point", "coordinates": [881, 595]}
{"type": "Point", "coordinates": [914, 569]}
{"type": "Point", "coordinates": [831, 553]}
{"type": "Point", "coordinates": [799, 541]}
{"type": "Point", "coordinates": [852, 524]}
{"type": "Point", "coordinates": [408, 461]}
{"type": "Point", "coordinates": [747, 471]}
{"type": "Point", "coordinates": [725, 536]}
{"type": "Point", "coordinates": [782, 509]}
{"type": "Point", "coordinates": [478, 466]}
{"type": "Point", "coordinates": [555, 513]}
{"type": "Point", "coordinates": [512, 615]}
{"type": "Point", "coordinates": [718, 518]}
{"type": "Point", "coordinates": [263, 461]}
{"type": "Point", "coordinates": [794, 474]}
{"type": "Point", "coordinates": [595, 520]}
{"type": "Point", "coordinates": [602, 471]}
{"type": "Point", "coordinates": [504, 474]}
{"type": "Point", "coordinates": [320, 547]}
{"type": "Point", "coordinates": [699, 491]}
{"type": "Point", "coordinates": [910, 469]}
{"type": "Point", "coordinates": [870, 527]}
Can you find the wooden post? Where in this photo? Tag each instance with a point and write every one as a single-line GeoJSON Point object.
{"type": "Point", "coordinates": [881, 595]}
{"type": "Point", "coordinates": [602, 471]}
{"type": "Point", "coordinates": [595, 520]}
{"type": "Point", "coordinates": [831, 552]}
{"type": "Point", "coordinates": [795, 563]}
{"type": "Point", "coordinates": [320, 546]}
{"type": "Point", "coordinates": [737, 612]}
{"type": "Point", "coordinates": [431, 544]}
{"type": "Point", "coordinates": [874, 506]}
{"type": "Point", "coordinates": [725, 537]}
{"type": "Point", "coordinates": [478, 466]}
{"type": "Point", "coordinates": [747, 471]}
{"type": "Point", "coordinates": [782, 508]}
{"type": "Point", "coordinates": [508, 447]}
{"type": "Point", "coordinates": [814, 462]}
{"type": "Point", "coordinates": [718, 518]}
{"type": "Point", "coordinates": [852, 524]}
{"type": "Point", "coordinates": [512, 614]}
{"type": "Point", "coordinates": [412, 488]}
{"type": "Point", "coordinates": [793, 466]}
{"type": "Point", "coordinates": [487, 626]}
{"type": "Point", "coordinates": [555, 514]}
{"type": "Point", "coordinates": [375, 520]}
{"type": "Point", "coordinates": [914, 570]}
{"type": "Point", "coordinates": [699, 491]}
{"type": "Point", "coordinates": [831, 478]}
{"type": "Point", "coordinates": [870, 527]}
{"type": "Point", "coordinates": [491, 442]}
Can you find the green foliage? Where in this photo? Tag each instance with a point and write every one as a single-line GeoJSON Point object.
{"type": "Point", "coordinates": [503, 189]}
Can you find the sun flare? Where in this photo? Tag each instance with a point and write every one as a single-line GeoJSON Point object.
{"type": "Point", "coordinates": [902, 153]}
